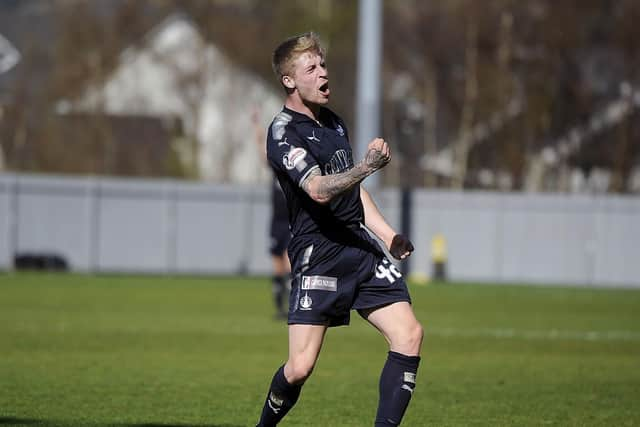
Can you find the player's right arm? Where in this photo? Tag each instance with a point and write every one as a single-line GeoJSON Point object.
{"type": "Point", "coordinates": [399, 245]}
{"type": "Point", "coordinates": [323, 188]}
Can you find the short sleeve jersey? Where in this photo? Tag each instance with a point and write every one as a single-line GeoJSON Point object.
{"type": "Point", "coordinates": [298, 145]}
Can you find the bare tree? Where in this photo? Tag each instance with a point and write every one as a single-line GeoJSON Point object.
{"type": "Point", "coordinates": [461, 149]}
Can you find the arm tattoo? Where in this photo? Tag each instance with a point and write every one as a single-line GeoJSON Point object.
{"type": "Point", "coordinates": [305, 183]}
{"type": "Point", "coordinates": [375, 160]}
{"type": "Point", "coordinates": [330, 186]}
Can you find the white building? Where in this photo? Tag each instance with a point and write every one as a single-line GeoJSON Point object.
{"type": "Point", "coordinates": [174, 72]}
{"type": "Point", "coordinates": [9, 57]}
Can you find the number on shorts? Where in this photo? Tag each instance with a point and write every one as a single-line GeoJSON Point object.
{"type": "Point", "coordinates": [386, 270]}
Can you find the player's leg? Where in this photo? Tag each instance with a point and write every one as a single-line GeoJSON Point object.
{"type": "Point", "coordinates": [280, 236]}
{"type": "Point", "coordinates": [403, 332]}
{"type": "Point", "coordinates": [305, 342]}
{"type": "Point", "coordinates": [399, 326]}
{"type": "Point", "coordinates": [280, 283]}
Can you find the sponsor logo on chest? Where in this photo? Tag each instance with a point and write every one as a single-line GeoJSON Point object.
{"type": "Point", "coordinates": [341, 161]}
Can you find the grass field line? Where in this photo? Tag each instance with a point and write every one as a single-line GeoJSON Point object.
{"type": "Point", "coordinates": [551, 334]}
{"type": "Point", "coordinates": [497, 333]}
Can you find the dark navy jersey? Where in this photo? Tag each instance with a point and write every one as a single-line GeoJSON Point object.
{"type": "Point", "coordinates": [298, 145]}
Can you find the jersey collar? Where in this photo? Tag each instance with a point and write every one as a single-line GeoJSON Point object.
{"type": "Point", "coordinates": [301, 118]}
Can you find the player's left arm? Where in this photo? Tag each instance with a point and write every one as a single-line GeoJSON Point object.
{"type": "Point", "coordinates": [399, 245]}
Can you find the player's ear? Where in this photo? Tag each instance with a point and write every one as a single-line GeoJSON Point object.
{"type": "Point", "coordinates": [288, 82]}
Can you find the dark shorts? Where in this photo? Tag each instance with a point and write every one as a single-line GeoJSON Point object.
{"type": "Point", "coordinates": [279, 237]}
{"type": "Point", "coordinates": [325, 292]}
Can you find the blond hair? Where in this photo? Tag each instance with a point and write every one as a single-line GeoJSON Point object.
{"type": "Point", "coordinates": [290, 49]}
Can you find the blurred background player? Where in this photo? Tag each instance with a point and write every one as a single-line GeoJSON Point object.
{"type": "Point", "coordinates": [279, 241]}
{"type": "Point", "coordinates": [279, 233]}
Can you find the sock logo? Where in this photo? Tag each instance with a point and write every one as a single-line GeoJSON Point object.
{"type": "Point", "coordinates": [275, 402]}
{"type": "Point", "coordinates": [278, 401]}
{"type": "Point", "coordinates": [406, 387]}
{"type": "Point", "coordinates": [273, 408]}
{"type": "Point", "coordinates": [410, 377]}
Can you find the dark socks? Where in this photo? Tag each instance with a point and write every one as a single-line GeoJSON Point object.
{"type": "Point", "coordinates": [397, 381]}
{"type": "Point", "coordinates": [280, 399]}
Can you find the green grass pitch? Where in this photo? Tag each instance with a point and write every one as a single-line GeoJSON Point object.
{"type": "Point", "coordinates": [80, 350]}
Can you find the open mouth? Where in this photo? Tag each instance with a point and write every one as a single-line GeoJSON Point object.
{"type": "Point", "coordinates": [324, 89]}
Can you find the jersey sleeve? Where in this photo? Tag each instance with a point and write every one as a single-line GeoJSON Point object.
{"type": "Point", "coordinates": [289, 154]}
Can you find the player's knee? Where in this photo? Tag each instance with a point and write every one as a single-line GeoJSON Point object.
{"type": "Point", "coordinates": [410, 340]}
{"type": "Point", "coordinates": [414, 336]}
{"type": "Point", "coordinates": [417, 335]}
{"type": "Point", "coordinates": [298, 370]}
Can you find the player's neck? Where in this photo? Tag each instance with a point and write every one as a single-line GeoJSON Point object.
{"type": "Point", "coordinates": [297, 105]}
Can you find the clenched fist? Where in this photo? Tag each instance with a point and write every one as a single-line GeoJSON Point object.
{"type": "Point", "coordinates": [401, 246]}
{"type": "Point", "coordinates": [378, 154]}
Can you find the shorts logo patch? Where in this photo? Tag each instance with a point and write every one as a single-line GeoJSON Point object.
{"type": "Point", "coordinates": [305, 302]}
{"type": "Point", "coordinates": [320, 283]}
{"type": "Point", "coordinates": [295, 159]}
{"type": "Point", "coordinates": [410, 377]}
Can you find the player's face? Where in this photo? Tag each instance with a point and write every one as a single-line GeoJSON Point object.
{"type": "Point", "coordinates": [311, 78]}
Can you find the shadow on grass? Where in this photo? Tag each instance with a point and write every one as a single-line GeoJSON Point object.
{"type": "Point", "coordinates": [170, 425]}
{"type": "Point", "coordinates": [13, 421]}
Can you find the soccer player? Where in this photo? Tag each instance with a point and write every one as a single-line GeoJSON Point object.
{"type": "Point", "coordinates": [279, 240]}
{"type": "Point", "coordinates": [337, 266]}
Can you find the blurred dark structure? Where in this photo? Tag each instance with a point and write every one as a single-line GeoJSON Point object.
{"type": "Point", "coordinates": [40, 261]}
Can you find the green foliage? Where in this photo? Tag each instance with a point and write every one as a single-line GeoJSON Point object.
{"type": "Point", "coordinates": [117, 350]}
